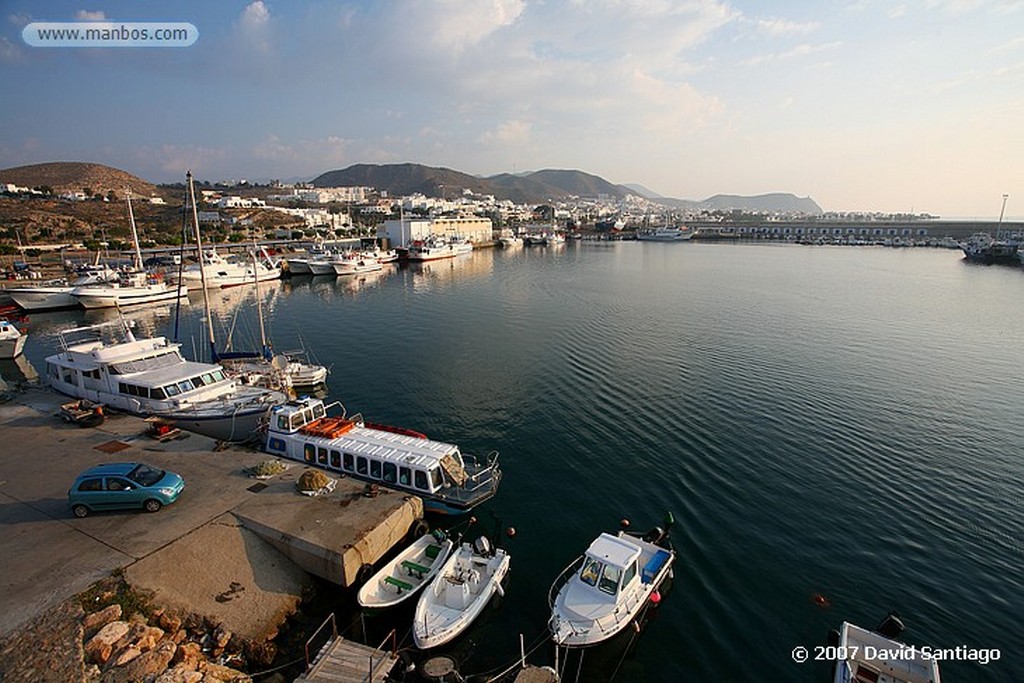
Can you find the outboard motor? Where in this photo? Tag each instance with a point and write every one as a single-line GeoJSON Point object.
{"type": "Point", "coordinates": [891, 627]}
{"type": "Point", "coordinates": [483, 546]}
{"type": "Point", "coordinates": [654, 535]}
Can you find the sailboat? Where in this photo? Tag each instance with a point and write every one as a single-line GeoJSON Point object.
{"type": "Point", "coordinates": [134, 286]}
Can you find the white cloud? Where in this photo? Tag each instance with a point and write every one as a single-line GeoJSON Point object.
{"type": "Point", "coordinates": [253, 29]}
{"type": "Point", "coordinates": [802, 50]}
{"type": "Point", "coordinates": [510, 132]}
{"type": "Point", "coordinates": [90, 15]}
{"type": "Point", "coordinates": [783, 27]}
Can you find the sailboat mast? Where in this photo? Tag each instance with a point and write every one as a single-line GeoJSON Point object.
{"type": "Point", "coordinates": [202, 269]}
{"type": "Point", "coordinates": [259, 304]}
{"type": "Point", "coordinates": [135, 232]}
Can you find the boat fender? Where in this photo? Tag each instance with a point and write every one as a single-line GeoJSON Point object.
{"type": "Point", "coordinates": [892, 626]}
{"type": "Point", "coordinates": [499, 589]}
{"type": "Point", "coordinates": [418, 528]}
{"type": "Point", "coordinates": [364, 574]}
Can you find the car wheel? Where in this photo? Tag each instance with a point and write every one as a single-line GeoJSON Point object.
{"type": "Point", "coordinates": [80, 511]}
{"type": "Point", "coordinates": [152, 505]}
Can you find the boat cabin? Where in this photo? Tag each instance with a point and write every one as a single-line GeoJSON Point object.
{"type": "Point", "coordinates": [302, 430]}
{"type": "Point", "coordinates": [610, 564]}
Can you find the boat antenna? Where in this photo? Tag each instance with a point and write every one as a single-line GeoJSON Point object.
{"type": "Point", "coordinates": [202, 268]}
{"type": "Point", "coordinates": [135, 232]}
{"type": "Point", "coordinates": [999, 225]}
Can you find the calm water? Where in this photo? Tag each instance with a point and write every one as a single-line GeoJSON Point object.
{"type": "Point", "coordinates": [842, 422]}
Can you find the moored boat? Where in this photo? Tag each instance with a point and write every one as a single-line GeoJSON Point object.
{"type": "Point", "coordinates": [402, 577]}
{"type": "Point", "coordinates": [430, 250]}
{"type": "Point", "coordinates": [448, 481]}
{"type": "Point", "coordinates": [459, 593]}
{"type": "Point", "coordinates": [12, 340]}
{"type": "Point", "coordinates": [216, 271]}
{"type": "Point", "coordinates": [864, 656]}
{"type": "Point", "coordinates": [606, 589]}
{"type": "Point", "coordinates": [665, 234]}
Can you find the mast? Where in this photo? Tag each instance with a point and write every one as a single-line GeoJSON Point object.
{"type": "Point", "coordinates": [202, 268]}
{"type": "Point", "coordinates": [135, 232]}
{"type": "Point", "coordinates": [999, 225]}
{"type": "Point", "coordinates": [264, 347]}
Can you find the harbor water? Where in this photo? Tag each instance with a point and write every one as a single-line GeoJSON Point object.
{"type": "Point", "coordinates": [837, 431]}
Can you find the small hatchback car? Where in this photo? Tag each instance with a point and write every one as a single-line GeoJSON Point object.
{"type": "Point", "coordinates": [121, 485]}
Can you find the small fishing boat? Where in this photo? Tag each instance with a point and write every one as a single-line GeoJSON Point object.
{"type": "Point", "coordinates": [864, 656]}
{"type": "Point", "coordinates": [403, 577]}
{"type": "Point", "coordinates": [459, 593]}
{"type": "Point", "coordinates": [12, 340]}
{"type": "Point", "coordinates": [602, 592]}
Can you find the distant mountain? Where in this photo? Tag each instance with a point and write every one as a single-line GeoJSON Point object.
{"type": "Point", "coordinates": [74, 176]}
{"type": "Point", "coordinates": [775, 201]}
{"type": "Point", "coordinates": [538, 187]}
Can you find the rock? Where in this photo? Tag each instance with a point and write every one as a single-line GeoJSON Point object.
{"type": "Point", "coordinates": [222, 636]}
{"type": "Point", "coordinates": [179, 636]}
{"type": "Point", "coordinates": [260, 654]}
{"type": "Point", "coordinates": [179, 674]}
{"type": "Point", "coordinates": [145, 666]}
{"type": "Point", "coordinates": [101, 645]}
{"type": "Point", "coordinates": [189, 655]}
{"type": "Point", "coordinates": [215, 673]}
{"type": "Point", "coordinates": [150, 636]}
{"type": "Point", "coordinates": [97, 620]}
{"type": "Point", "coordinates": [126, 655]}
{"type": "Point", "coordinates": [169, 622]}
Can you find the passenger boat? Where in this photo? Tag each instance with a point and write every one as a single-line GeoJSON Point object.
{"type": "Point", "coordinates": [602, 592]}
{"type": "Point", "coordinates": [877, 657]}
{"type": "Point", "coordinates": [665, 235]}
{"type": "Point", "coordinates": [448, 481]}
{"type": "Point", "coordinates": [12, 340]}
{"type": "Point", "coordinates": [151, 377]}
{"type": "Point", "coordinates": [404, 576]}
{"type": "Point", "coordinates": [459, 593]}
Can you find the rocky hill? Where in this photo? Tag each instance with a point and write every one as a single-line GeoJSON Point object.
{"type": "Point", "coordinates": [776, 201]}
{"type": "Point", "coordinates": [74, 176]}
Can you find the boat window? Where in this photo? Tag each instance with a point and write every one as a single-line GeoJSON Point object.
{"type": "Point", "coordinates": [375, 469]}
{"type": "Point", "coordinates": [420, 477]}
{"type": "Point", "coordinates": [157, 393]}
{"type": "Point", "coordinates": [610, 579]}
{"type": "Point", "coordinates": [92, 374]}
{"type": "Point", "coordinates": [122, 388]}
{"type": "Point", "coordinates": [591, 571]}
{"type": "Point", "coordinates": [336, 460]}
{"type": "Point", "coordinates": [436, 479]}
{"type": "Point", "coordinates": [361, 465]}
{"type": "Point", "coordinates": [198, 381]}
{"type": "Point", "coordinates": [218, 375]}
{"type": "Point", "coordinates": [309, 453]}
{"type": "Point", "coordinates": [348, 460]}
{"type": "Point", "coordinates": [185, 385]}
{"type": "Point", "coordinates": [171, 389]}
{"type": "Point", "coordinates": [208, 378]}
{"type": "Point", "coordinates": [404, 476]}
{"type": "Point", "coordinates": [321, 456]}
{"type": "Point", "coordinates": [307, 415]}
{"type": "Point", "coordinates": [275, 444]}
{"type": "Point", "coordinates": [390, 472]}
{"type": "Point", "coordinates": [282, 422]}
{"type": "Point", "coordinates": [318, 410]}
{"type": "Point", "coordinates": [296, 420]}
{"type": "Point", "coordinates": [630, 573]}
{"type": "Point", "coordinates": [91, 485]}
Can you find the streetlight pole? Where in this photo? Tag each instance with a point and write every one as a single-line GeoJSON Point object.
{"type": "Point", "coordinates": [1001, 212]}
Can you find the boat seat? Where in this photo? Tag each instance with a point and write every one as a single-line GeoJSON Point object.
{"type": "Point", "coordinates": [433, 551]}
{"type": "Point", "coordinates": [654, 566]}
{"type": "Point", "coordinates": [398, 583]}
{"type": "Point", "coordinates": [414, 568]}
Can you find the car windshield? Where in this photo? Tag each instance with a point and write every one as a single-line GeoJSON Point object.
{"type": "Point", "coordinates": [144, 475]}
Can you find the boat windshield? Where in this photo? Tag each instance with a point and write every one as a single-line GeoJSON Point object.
{"type": "Point", "coordinates": [591, 571]}
{"type": "Point", "coordinates": [610, 580]}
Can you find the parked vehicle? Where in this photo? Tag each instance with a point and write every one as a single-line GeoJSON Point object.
{"type": "Point", "coordinates": [121, 486]}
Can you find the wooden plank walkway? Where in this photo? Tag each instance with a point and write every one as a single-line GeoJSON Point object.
{"type": "Point", "coordinates": [345, 661]}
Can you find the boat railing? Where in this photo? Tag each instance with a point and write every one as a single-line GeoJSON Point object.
{"type": "Point", "coordinates": [563, 579]}
{"type": "Point", "coordinates": [484, 475]}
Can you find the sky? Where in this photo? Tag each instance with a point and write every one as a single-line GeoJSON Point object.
{"type": "Point", "coordinates": [863, 105]}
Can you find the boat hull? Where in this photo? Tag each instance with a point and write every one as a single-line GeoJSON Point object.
{"type": "Point", "coordinates": [12, 348]}
{"type": "Point", "coordinates": [102, 297]}
{"type": "Point", "coordinates": [402, 578]}
{"type": "Point", "coordinates": [43, 298]}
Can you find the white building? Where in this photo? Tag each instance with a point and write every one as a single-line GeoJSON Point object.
{"type": "Point", "coordinates": [236, 202]}
{"type": "Point", "coordinates": [402, 232]}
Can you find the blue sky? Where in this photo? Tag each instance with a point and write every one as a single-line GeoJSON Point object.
{"type": "Point", "coordinates": [863, 105]}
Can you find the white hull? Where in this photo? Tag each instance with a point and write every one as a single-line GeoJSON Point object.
{"type": "Point", "coordinates": [353, 267]}
{"type": "Point", "coordinates": [879, 658]}
{"type": "Point", "coordinates": [226, 420]}
{"type": "Point", "coordinates": [457, 596]}
{"type": "Point", "coordinates": [298, 266]}
{"type": "Point", "coordinates": [321, 267]}
{"type": "Point", "coordinates": [12, 341]}
{"type": "Point", "coordinates": [193, 280]}
{"type": "Point", "coordinates": [665, 235]}
{"type": "Point", "coordinates": [109, 297]}
{"type": "Point", "coordinates": [42, 298]}
{"type": "Point", "coordinates": [403, 577]}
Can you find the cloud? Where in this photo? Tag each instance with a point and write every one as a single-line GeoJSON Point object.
{"type": "Point", "coordinates": [253, 31]}
{"type": "Point", "coordinates": [90, 15]}
{"type": "Point", "coordinates": [796, 51]}
{"type": "Point", "coordinates": [510, 132]}
{"type": "Point", "coordinates": [782, 27]}
{"type": "Point", "coordinates": [10, 52]}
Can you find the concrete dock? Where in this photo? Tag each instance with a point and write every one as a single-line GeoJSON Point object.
{"type": "Point", "coordinates": [228, 548]}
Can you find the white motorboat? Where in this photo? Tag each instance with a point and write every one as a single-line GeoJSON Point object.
{"type": "Point", "coordinates": [430, 250]}
{"type": "Point", "coordinates": [665, 235]}
{"type": "Point", "coordinates": [403, 577]}
{"type": "Point", "coordinates": [602, 592]}
{"type": "Point", "coordinates": [864, 656]}
{"type": "Point", "coordinates": [151, 377]}
{"type": "Point", "coordinates": [56, 294]}
{"type": "Point", "coordinates": [12, 340]}
{"type": "Point", "coordinates": [509, 240]}
{"type": "Point", "coordinates": [448, 481]}
{"type": "Point", "coordinates": [459, 593]}
{"type": "Point", "coordinates": [221, 272]}
{"type": "Point", "coordinates": [461, 244]}
{"type": "Point", "coordinates": [354, 263]}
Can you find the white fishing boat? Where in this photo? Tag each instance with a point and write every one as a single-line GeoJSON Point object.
{"type": "Point", "coordinates": [448, 481]}
{"type": "Point", "coordinates": [12, 340]}
{"type": "Point", "coordinates": [299, 264]}
{"type": "Point", "coordinates": [430, 250]}
{"type": "Point", "coordinates": [221, 272]}
{"type": "Point", "coordinates": [461, 244]}
{"type": "Point", "coordinates": [509, 240]}
{"type": "Point", "coordinates": [132, 287]}
{"type": "Point", "coordinates": [55, 294]}
{"type": "Point", "coordinates": [877, 657]}
{"type": "Point", "coordinates": [151, 377]}
{"type": "Point", "coordinates": [602, 592]}
{"type": "Point", "coordinates": [665, 234]}
{"type": "Point", "coordinates": [354, 263]}
{"type": "Point", "coordinates": [459, 593]}
{"type": "Point", "coordinates": [403, 577]}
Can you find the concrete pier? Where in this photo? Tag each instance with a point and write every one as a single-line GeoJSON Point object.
{"type": "Point", "coordinates": [227, 548]}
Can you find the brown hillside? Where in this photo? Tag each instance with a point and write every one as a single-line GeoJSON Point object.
{"type": "Point", "coordinates": [73, 176]}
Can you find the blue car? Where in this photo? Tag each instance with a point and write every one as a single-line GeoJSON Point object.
{"type": "Point", "coordinates": [123, 485]}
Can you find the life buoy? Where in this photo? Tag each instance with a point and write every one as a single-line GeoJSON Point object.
{"type": "Point", "coordinates": [418, 528]}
